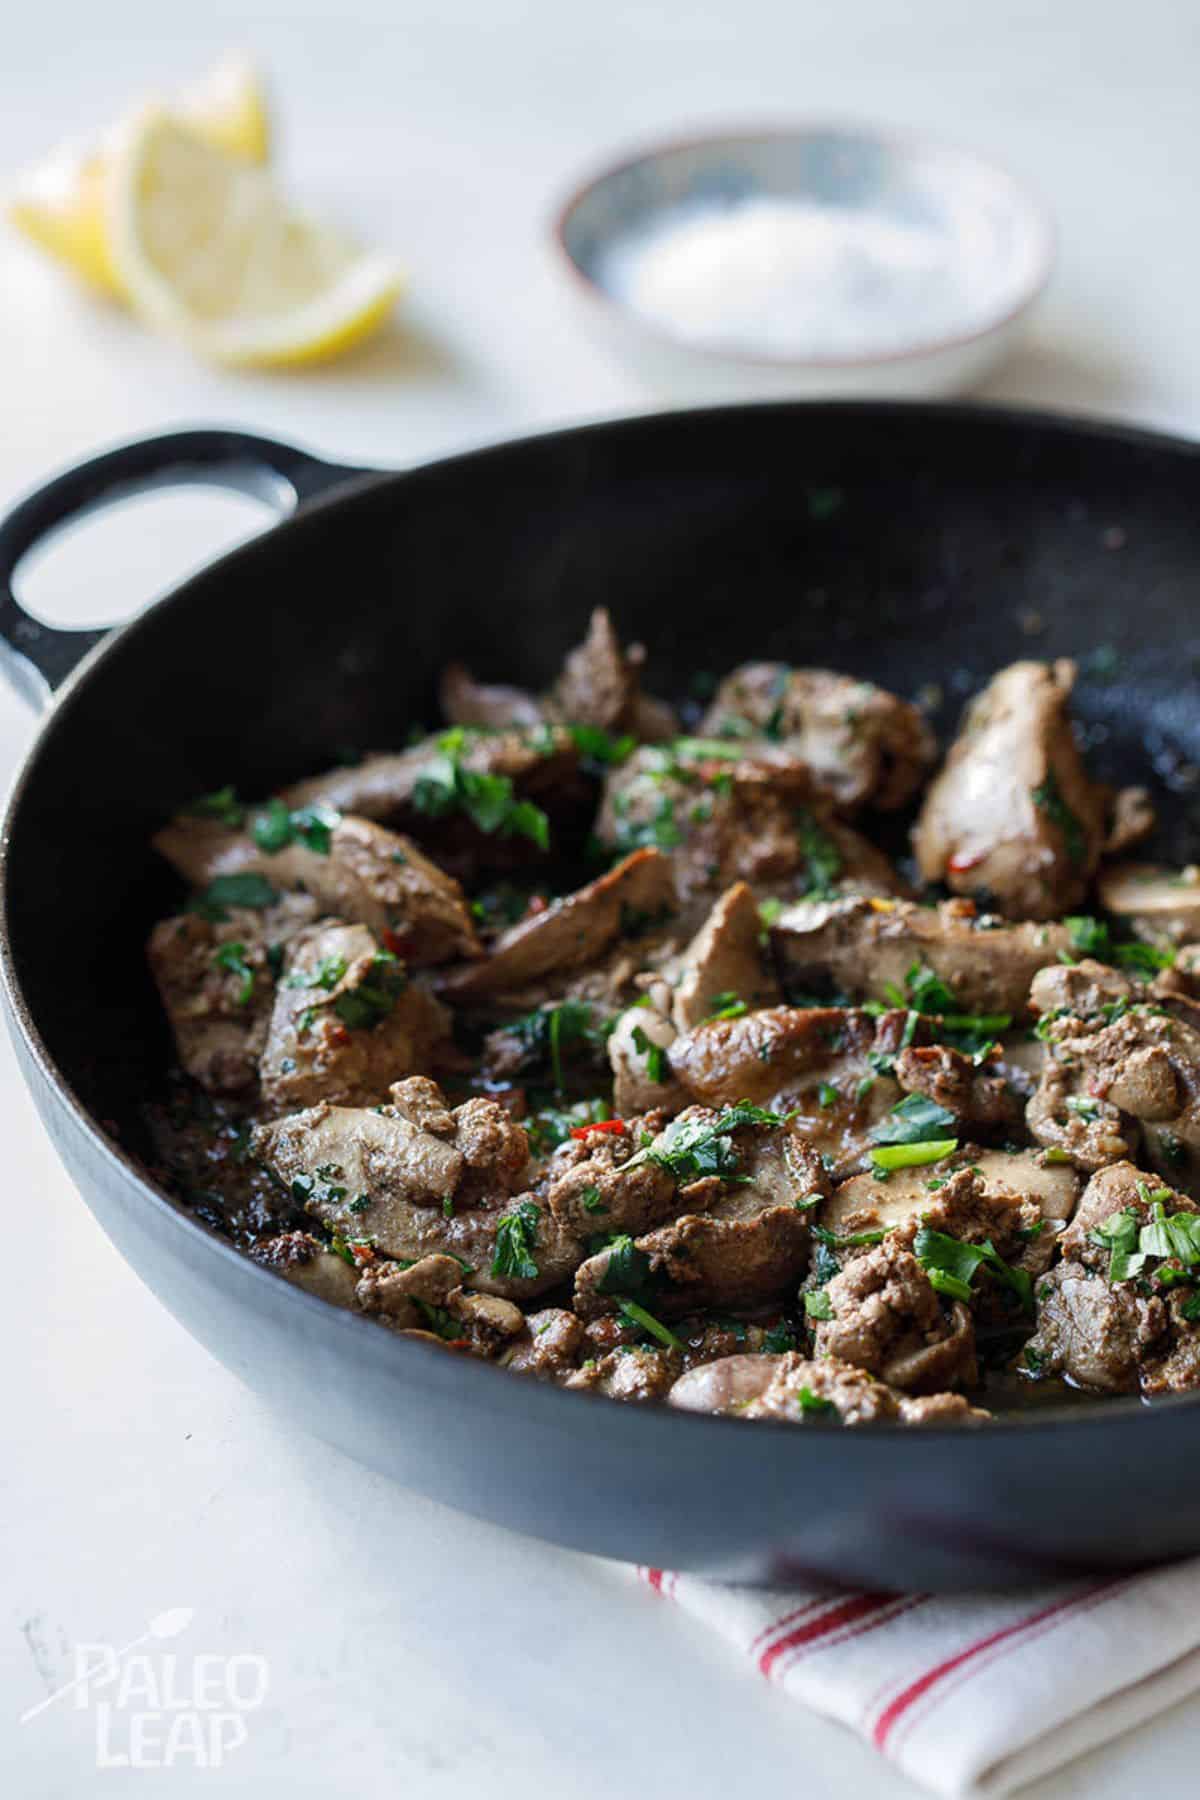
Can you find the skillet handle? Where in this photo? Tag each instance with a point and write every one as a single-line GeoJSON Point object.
{"type": "Point", "coordinates": [38, 658]}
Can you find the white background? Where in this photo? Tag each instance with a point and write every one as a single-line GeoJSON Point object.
{"type": "Point", "coordinates": [412, 1652]}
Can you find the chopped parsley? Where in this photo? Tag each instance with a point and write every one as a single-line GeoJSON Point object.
{"type": "Point", "coordinates": [924, 990]}
{"type": "Point", "coordinates": [441, 1323]}
{"type": "Point", "coordinates": [592, 1200]}
{"type": "Point", "coordinates": [813, 1404]}
{"type": "Point", "coordinates": [726, 1006]}
{"type": "Point", "coordinates": [444, 786]}
{"type": "Point", "coordinates": [222, 805]}
{"type": "Point", "coordinates": [822, 857]}
{"type": "Point", "coordinates": [627, 1273]}
{"type": "Point", "coordinates": [1143, 959]}
{"type": "Point", "coordinates": [817, 1305]}
{"type": "Point", "coordinates": [598, 749]}
{"type": "Point", "coordinates": [321, 1189]}
{"type": "Point", "coordinates": [545, 1033]}
{"type": "Point", "coordinates": [827, 1095]}
{"type": "Point", "coordinates": [251, 890]}
{"type": "Point", "coordinates": [232, 959]}
{"type": "Point", "coordinates": [951, 1266]}
{"type": "Point", "coordinates": [914, 1120]}
{"type": "Point", "coordinates": [277, 827]}
{"type": "Point", "coordinates": [690, 1149]}
{"type": "Point", "coordinates": [655, 1055]}
{"type": "Point", "coordinates": [1174, 1237]}
{"type": "Point", "coordinates": [779, 1339]}
{"type": "Point", "coordinates": [516, 1236]}
{"type": "Point", "coordinates": [1048, 798]}
{"type": "Point", "coordinates": [659, 832]}
{"type": "Point", "coordinates": [1083, 1106]}
{"type": "Point", "coordinates": [328, 972]}
{"type": "Point", "coordinates": [1089, 936]}
{"type": "Point", "coordinates": [363, 1007]}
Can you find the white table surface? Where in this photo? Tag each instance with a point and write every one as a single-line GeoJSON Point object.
{"type": "Point", "coordinates": [411, 1651]}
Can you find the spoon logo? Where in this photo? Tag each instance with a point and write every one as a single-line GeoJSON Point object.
{"type": "Point", "coordinates": [156, 1709]}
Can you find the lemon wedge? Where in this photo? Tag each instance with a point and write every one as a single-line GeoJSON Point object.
{"type": "Point", "coordinates": [61, 204]}
{"type": "Point", "coordinates": [208, 252]}
{"type": "Point", "coordinates": [228, 106]}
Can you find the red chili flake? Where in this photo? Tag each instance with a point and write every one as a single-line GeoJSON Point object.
{"type": "Point", "coordinates": [581, 1131]}
{"type": "Point", "coordinates": [362, 1253]}
{"type": "Point", "coordinates": [398, 943]}
{"type": "Point", "coordinates": [958, 865]}
{"type": "Point", "coordinates": [339, 1035]}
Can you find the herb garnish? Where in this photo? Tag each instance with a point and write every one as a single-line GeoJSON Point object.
{"type": "Point", "coordinates": [250, 890]}
{"type": "Point", "coordinates": [546, 1032]}
{"type": "Point", "coordinates": [232, 958]}
{"type": "Point", "coordinates": [1091, 937]}
{"type": "Point", "coordinates": [1048, 798]}
{"type": "Point", "coordinates": [1174, 1236]}
{"type": "Point", "coordinates": [598, 749]}
{"type": "Point", "coordinates": [690, 1149]}
{"type": "Point", "coordinates": [444, 786]}
{"type": "Point", "coordinates": [363, 1007]}
{"type": "Point", "coordinates": [222, 805]}
{"type": "Point", "coordinates": [328, 972]}
{"type": "Point", "coordinates": [951, 1265]}
{"type": "Point", "coordinates": [627, 1272]}
{"type": "Point", "coordinates": [516, 1235]}
{"type": "Point", "coordinates": [913, 1120]}
{"type": "Point", "coordinates": [817, 1305]}
{"type": "Point", "coordinates": [655, 1055]}
{"type": "Point", "coordinates": [821, 855]}
{"type": "Point", "coordinates": [659, 832]}
{"type": "Point", "coordinates": [277, 827]}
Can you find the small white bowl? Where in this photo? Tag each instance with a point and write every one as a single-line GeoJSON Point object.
{"type": "Point", "coordinates": [989, 223]}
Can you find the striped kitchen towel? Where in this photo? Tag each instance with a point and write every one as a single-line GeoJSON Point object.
{"type": "Point", "coordinates": [970, 1693]}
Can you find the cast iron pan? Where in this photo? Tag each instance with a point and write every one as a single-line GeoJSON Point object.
{"type": "Point", "coordinates": [914, 544]}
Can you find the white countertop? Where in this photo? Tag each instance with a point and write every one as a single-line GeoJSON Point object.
{"type": "Point", "coordinates": [411, 1651]}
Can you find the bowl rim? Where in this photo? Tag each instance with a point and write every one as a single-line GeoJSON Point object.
{"type": "Point", "coordinates": [1044, 234]}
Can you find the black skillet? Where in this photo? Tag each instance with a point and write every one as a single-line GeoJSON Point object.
{"type": "Point", "coordinates": [915, 544]}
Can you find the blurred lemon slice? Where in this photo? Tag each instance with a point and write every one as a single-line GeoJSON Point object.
{"type": "Point", "coordinates": [61, 204]}
{"type": "Point", "coordinates": [208, 252]}
{"type": "Point", "coordinates": [228, 106]}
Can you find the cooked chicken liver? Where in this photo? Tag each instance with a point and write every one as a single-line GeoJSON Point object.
{"type": "Point", "coordinates": [608, 1041]}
